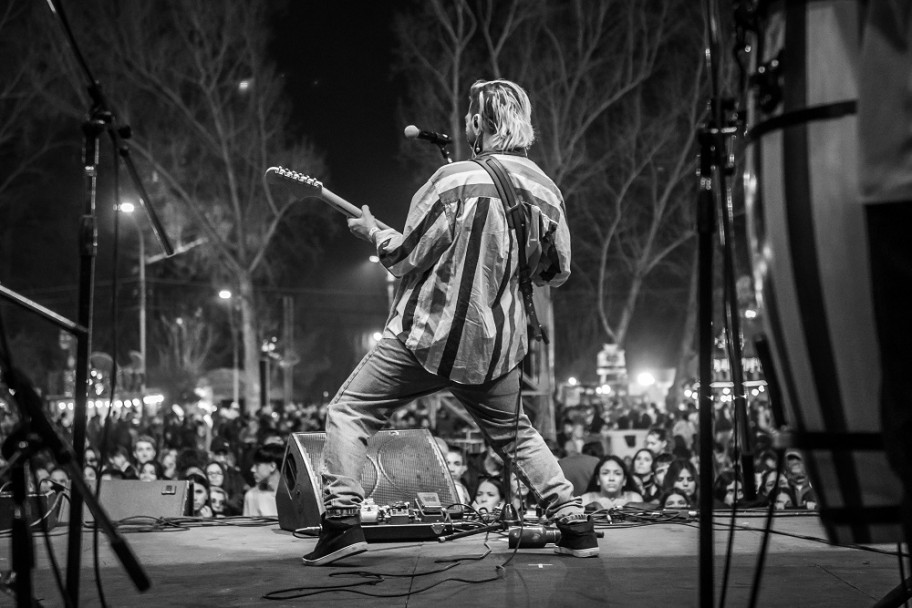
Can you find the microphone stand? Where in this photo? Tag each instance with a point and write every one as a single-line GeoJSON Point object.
{"type": "Point", "coordinates": [101, 118]}
{"type": "Point", "coordinates": [715, 167]}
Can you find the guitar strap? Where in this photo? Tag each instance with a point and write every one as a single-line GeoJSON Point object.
{"type": "Point", "coordinates": [516, 220]}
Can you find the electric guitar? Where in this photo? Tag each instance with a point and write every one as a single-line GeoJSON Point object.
{"type": "Point", "coordinates": [304, 185]}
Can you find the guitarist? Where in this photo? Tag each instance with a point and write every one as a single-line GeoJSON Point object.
{"type": "Point", "coordinates": [458, 321]}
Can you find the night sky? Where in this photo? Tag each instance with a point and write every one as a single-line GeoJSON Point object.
{"type": "Point", "coordinates": [336, 60]}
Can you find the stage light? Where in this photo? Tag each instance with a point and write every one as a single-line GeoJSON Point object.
{"type": "Point", "coordinates": [224, 294]}
{"type": "Point", "coordinates": [572, 381]}
{"type": "Point", "coordinates": [126, 207]}
{"type": "Point", "coordinates": [645, 379]}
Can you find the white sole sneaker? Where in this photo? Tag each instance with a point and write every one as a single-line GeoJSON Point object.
{"type": "Point", "coordinates": [353, 549]}
{"type": "Point", "coordinates": [593, 552]}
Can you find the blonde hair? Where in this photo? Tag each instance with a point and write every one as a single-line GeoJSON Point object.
{"type": "Point", "coordinates": [505, 111]}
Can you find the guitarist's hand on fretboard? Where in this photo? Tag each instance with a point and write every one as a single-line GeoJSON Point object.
{"type": "Point", "coordinates": [364, 227]}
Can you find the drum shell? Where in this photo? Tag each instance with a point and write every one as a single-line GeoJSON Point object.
{"type": "Point", "coordinates": [810, 260]}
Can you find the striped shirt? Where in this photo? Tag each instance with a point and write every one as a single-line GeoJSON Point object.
{"type": "Point", "coordinates": [458, 306]}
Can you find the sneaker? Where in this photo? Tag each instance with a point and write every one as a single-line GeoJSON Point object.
{"type": "Point", "coordinates": [340, 537]}
{"type": "Point", "coordinates": [577, 536]}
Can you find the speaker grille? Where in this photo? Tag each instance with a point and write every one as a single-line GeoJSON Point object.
{"type": "Point", "coordinates": [399, 465]}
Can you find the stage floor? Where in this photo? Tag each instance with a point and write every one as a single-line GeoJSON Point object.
{"type": "Point", "coordinates": [648, 566]}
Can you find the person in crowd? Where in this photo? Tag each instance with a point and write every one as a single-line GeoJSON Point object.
{"type": "Point", "coordinates": [724, 488]}
{"type": "Point", "coordinates": [674, 500]}
{"type": "Point", "coordinates": [657, 440]}
{"type": "Point", "coordinates": [489, 496]}
{"type": "Point", "coordinates": [90, 457]}
{"type": "Point", "coordinates": [120, 460]}
{"type": "Point", "coordinates": [168, 461]}
{"type": "Point", "coordinates": [109, 473]}
{"type": "Point", "coordinates": [683, 428]}
{"type": "Point", "coordinates": [143, 450]}
{"type": "Point", "coordinates": [151, 470]}
{"type": "Point", "coordinates": [235, 483]}
{"type": "Point", "coordinates": [611, 485]}
{"type": "Point", "coordinates": [90, 475]}
{"type": "Point", "coordinates": [479, 466]}
{"type": "Point", "coordinates": [579, 466]}
{"type": "Point", "coordinates": [797, 476]}
{"type": "Point", "coordinates": [190, 460]}
{"type": "Point", "coordinates": [200, 486]}
{"type": "Point", "coordinates": [58, 480]}
{"type": "Point", "coordinates": [471, 344]}
{"type": "Point", "coordinates": [260, 500]}
{"type": "Point", "coordinates": [767, 485]}
{"type": "Point", "coordinates": [643, 475]}
{"type": "Point", "coordinates": [682, 476]}
{"type": "Point", "coordinates": [456, 466]}
{"type": "Point", "coordinates": [217, 477]}
{"type": "Point", "coordinates": [218, 501]}
{"type": "Point", "coordinates": [660, 466]}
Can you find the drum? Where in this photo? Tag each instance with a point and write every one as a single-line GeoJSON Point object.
{"type": "Point", "coordinates": [810, 259]}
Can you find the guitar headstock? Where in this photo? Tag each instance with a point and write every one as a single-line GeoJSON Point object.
{"type": "Point", "coordinates": [280, 175]}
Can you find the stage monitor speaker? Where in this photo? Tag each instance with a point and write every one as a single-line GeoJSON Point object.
{"type": "Point", "coordinates": [125, 498]}
{"type": "Point", "coordinates": [39, 505]}
{"type": "Point", "coordinates": [810, 260]}
{"type": "Point", "coordinates": [399, 464]}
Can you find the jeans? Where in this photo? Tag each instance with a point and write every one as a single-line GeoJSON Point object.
{"type": "Point", "coordinates": [388, 377]}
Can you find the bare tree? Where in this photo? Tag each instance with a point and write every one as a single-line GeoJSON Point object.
{"type": "Point", "coordinates": [209, 114]}
{"type": "Point", "coordinates": [24, 137]}
{"type": "Point", "coordinates": [615, 87]}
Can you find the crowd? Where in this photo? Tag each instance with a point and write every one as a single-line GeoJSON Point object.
{"type": "Point", "coordinates": [234, 461]}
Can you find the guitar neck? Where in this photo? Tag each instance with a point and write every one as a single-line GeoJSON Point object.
{"type": "Point", "coordinates": [340, 204]}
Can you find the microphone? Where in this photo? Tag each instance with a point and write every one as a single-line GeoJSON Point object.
{"type": "Point", "coordinates": [440, 139]}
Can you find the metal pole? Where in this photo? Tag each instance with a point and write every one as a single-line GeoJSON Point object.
{"type": "Point", "coordinates": [142, 323]}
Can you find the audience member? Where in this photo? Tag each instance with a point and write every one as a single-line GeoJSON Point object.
{"type": "Point", "coordinates": [578, 467]}
{"type": "Point", "coordinates": [143, 450]}
{"type": "Point", "coordinates": [218, 501]}
{"type": "Point", "coordinates": [259, 501]}
{"type": "Point", "coordinates": [200, 488]}
{"type": "Point", "coordinates": [218, 478]}
{"type": "Point", "coordinates": [489, 496]}
{"type": "Point", "coordinates": [120, 460]}
{"type": "Point", "coordinates": [644, 476]}
{"type": "Point", "coordinates": [682, 476]}
{"type": "Point", "coordinates": [457, 468]}
{"type": "Point", "coordinates": [660, 467]}
{"type": "Point", "coordinates": [610, 485]}
{"type": "Point", "coordinates": [674, 500]}
{"type": "Point", "coordinates": [168, 460]}
{"type": "Point", "coordinates": [657, 440]}
{"type": "Point", "coordinates": [150, 470]}
{"type": "Point", "coordinates": [486, 464]}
